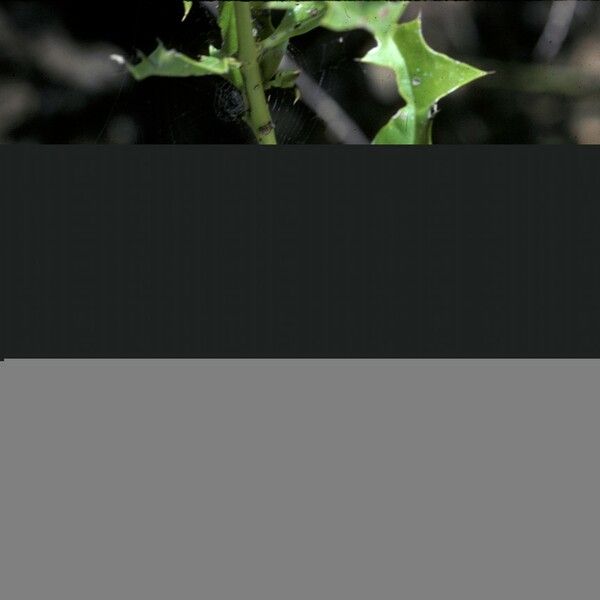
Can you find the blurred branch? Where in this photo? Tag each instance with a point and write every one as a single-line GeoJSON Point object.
{"type": "Point", "coordinates": [54, 54]}
{"type": "Point", "coordinates": [559, 80]}
{"type": "Point", "coordinates": [556, 30]}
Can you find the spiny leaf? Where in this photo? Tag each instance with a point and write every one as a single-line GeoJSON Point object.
{"type": "Point", "coordinates": [424, 77]}
{"type": "Point", "coordinates": [170, 63]}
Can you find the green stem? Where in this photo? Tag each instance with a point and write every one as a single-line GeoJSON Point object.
{"type": "Point", "coordinates": [259, 116]}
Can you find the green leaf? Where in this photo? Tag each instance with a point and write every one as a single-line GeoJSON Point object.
{"type": "Point", "coordinates": [270, 60]}
{"type": "Point", "coordinates": [187, 7]}
{"type": "Point", "coordinates": [228, 27]}
{"type": "Point", "coordinates": [300, 18]}
{"type": "Point", "coordinates": [374, 16]}
{"type": "Point", "coordinates": [283, 80]}
{"type": "Point", "coordinates": [170, 63]}
{"type": "Point", "coordinates": [408, 126]}
{"type": "Point", "coordinates": [424, 77]}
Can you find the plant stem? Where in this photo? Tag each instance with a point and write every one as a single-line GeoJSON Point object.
{"type": "Point", "coordinates": [259, 116]}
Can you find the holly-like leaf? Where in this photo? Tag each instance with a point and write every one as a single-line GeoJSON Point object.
{"type": "Point", "coordinates": [374, 16]}
{"type": "Point", "coordinates": [170, 63]}
{"type": "Point", "coordinates": [424, 77]}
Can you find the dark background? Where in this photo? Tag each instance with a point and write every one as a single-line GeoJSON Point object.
{"type": "Point", "coordinates": [240, 251]}
{"type": "Point", "coordinates": [57, 84]}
